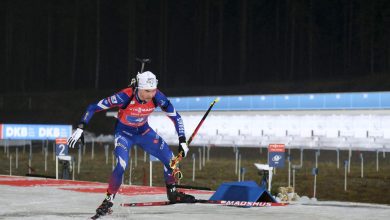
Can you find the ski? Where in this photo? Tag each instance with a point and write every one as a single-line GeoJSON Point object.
{"type": "Point", "coordinates": [205, 201]}
{"type": "Point", "coordinates": [193, 187]}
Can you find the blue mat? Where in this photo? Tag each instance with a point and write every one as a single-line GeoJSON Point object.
{"type": "Point", "coordinates": [242, 191]}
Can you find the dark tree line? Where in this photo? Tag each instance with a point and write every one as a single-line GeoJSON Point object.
{"type": "Point", "coordinates": [49, 45]}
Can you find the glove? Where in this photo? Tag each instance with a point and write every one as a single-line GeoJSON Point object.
{"type": "Point", "coordinates": [77, 135]}
{"type": "Point", "coordinates": [183, 147]}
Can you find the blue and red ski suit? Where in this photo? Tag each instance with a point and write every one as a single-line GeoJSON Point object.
{"type": "Point", "coordinates": [132, 128]}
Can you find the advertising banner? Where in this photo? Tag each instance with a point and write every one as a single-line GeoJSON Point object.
{"type": "Point", "coordinates": [34, 131]}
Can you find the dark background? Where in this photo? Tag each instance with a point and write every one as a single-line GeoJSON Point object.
{"type": "Point", "coordinates": [58, 56]}
{"type": "Point", "coordinates": [199, 47]}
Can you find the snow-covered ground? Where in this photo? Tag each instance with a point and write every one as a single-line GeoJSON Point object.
{"type": "Point", "coordinates": [32, 198]}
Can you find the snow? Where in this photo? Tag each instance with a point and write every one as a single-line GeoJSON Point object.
{"type": "Point", "coordinates": [50, 200]}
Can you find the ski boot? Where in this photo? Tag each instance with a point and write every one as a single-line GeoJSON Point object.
{"type": "Point", "coordinates": [175, 196]}
{"type": "Point", "coordinates": [105, 207]}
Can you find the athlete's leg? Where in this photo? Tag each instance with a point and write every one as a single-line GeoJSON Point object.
{"type": "Point", "coordinates": [152, 143]}
{"type": "Point", "coordinates": [122, 147]}
{"type": "Point", "coordinates": [156, 146]}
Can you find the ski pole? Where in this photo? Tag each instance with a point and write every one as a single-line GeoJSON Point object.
{"type": "Point", "coordinates": [201, 121]}
{"type": "Point", "coordinates": [175, 161]}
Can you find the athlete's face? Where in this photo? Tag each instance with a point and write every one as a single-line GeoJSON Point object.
{"type": "Point", "coordinates": [146, 94]}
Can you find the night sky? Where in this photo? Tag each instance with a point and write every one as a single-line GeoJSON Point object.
{"type": "Point", "coordinates": [61, 45]}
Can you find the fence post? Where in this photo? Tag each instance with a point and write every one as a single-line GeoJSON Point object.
{"type": "Point", "coordinates": [208, 153]}
{"type": "Point", "coordinates": [57, 168]}
{"type": "Point", "coordinates": [204, 155]}
{"type": "Point", "coordinates": [377, 160]}
{"type": "Point", "coordinates": [74, 164]}
{"type": "Point", "coordinates": [200, 158]}
{"type": "Point", "coordinates": [7, 147]}
{"type": "Point", "coordinates": [17, 158]}
{"type": "Point", "coordinates": [30, 159]}
{"type": "Point", "coordinates": [193, 167]}
{"type": "Point", "coordinates": [362, 166]}
{"type": "Point", "coordinates": [293, 179]}
{"type": "Point", "coordinates": [106, 152]}
{"type": "Point", "coordinates": [150, 172]}
{"type": "Point", "coordinates": [93, 149]}
{"type": "Point", "coordinates": [45, 155]}
{"type": "Point", "coordinates": [345, 174]}
{"type": "Point", "coordinates": [236, 169]}
{"type": "Point", "coordinates": [131, 169]}
{"type": "Point", "coordinates": [289, 166]}
{"type": "Point", "coordinates": [54, 150]}
{"type": "Point", "coordinates": [239, 168]}
{"type": "Point", "coordinates": [135, 156]}
{"type": "Point", "coordinates": [79, 160]}
{"type": "Point", "coordinates": [349, 160]}
{"type": "Point", "coordinates": [10, 165]}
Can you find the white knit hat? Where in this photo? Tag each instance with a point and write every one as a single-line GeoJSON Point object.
{"type": "Point", "coordinates": [147, 80]}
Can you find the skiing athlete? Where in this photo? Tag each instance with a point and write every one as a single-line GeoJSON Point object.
{"type": "Point", "coordinates": [135, 104]}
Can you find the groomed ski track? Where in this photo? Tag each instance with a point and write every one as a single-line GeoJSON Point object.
{"type": "Point", "coordinates": [39, 198]}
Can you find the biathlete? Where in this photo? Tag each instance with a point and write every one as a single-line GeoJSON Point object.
{"type": "Point", "coordinates": [135, 104]}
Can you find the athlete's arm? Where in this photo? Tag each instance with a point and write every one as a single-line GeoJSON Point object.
{"type": "Point", "coordinates": [117, 100]}
{"type": "Point", "coordinates": [171, 112]}
{"type": "Point", "coordinates": [165, 105]}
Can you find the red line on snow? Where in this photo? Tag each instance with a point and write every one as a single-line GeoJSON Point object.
{"type": "Point", "coordinates": [85, 186]}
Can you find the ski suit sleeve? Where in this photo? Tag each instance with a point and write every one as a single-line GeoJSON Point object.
{"type": "Point", "coordinates": [117, 100]}
{"type": "Point", "coordinates": [165, 105]}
